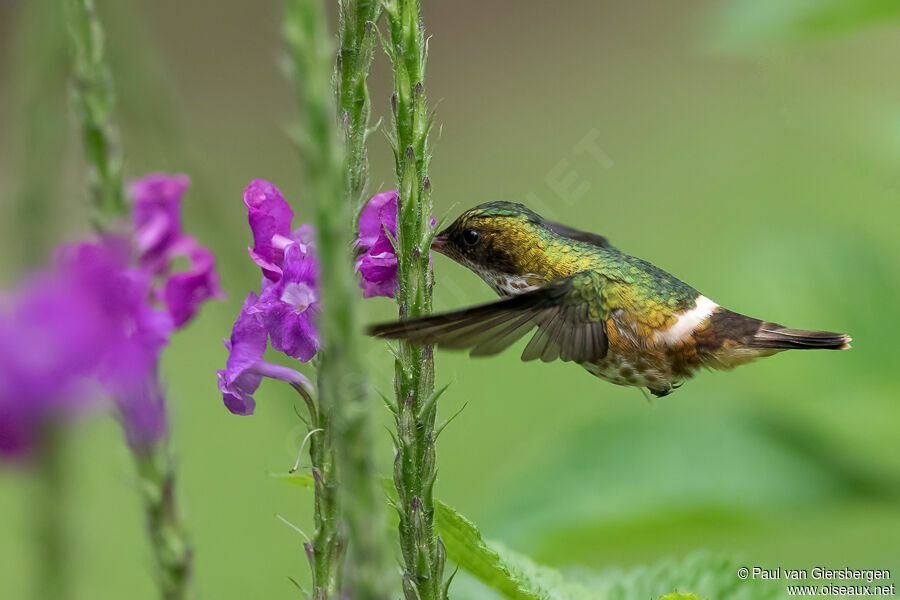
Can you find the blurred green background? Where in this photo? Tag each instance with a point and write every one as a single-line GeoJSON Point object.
{"type": "Point", "coordinates": [753, 153]}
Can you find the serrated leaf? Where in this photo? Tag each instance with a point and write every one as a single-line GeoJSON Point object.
{"type": "Point", "coordinates": [517, 577]}
{"type": "Point", "coordinates": [514, 576]}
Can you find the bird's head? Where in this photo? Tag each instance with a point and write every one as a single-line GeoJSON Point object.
{"type": "Point", "coordinates": [493, 238]}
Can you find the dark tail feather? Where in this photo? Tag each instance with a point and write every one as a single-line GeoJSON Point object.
{"type": "Point", "coordinates": [773, 335]}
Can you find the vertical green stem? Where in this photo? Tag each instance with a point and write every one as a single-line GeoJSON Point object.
{"type": "Point", "coordinates": [336, 173]}
{"type": "Point", "coordinates": [369, 562]}
{"type": "Point", "coordinates": [93, 96]}
{"type": "Point", "coordinates": [358, 19]}
{"type": "Point", "coordinates": [52, 579]}
{"type": "Point", "coordinates": [94, 99]}
{"type": "Point", "coordinates": [311, 53]}
{"type": "Point", "coordinates": [414, 473]}
{"type": "Point", "coordinates": [168, 538]}
{"type": "Point", "coordinates": [325, 550]}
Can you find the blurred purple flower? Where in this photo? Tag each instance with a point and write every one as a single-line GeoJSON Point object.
{"type": "Point", "coordinates": [137, 332]}
{"type": "Point", "coordinates": [288, 307]}
{"type": "Point", "coordinates": [157, 218]}
{"type": "Point", "coordinates": [91, 319]}
{"type": "Point", "coordinates": [270, 219]}
{"type": "Point", "coordinates": [136, 335]}
{"type": "Point", "coordinates": [185, 291]}
{"type": "Point", "coordinates": [245, 367]}
{"type": "Point", "coordinates": [51, 336]}
{"type": "Point", "coordinates": [159, 240]}
{"type": "Point", "coordinates": [142, 412]}
{"type": "Point", "coordinates": [87, 320]}
{"type": "Point", "coordinates": [377, 260]}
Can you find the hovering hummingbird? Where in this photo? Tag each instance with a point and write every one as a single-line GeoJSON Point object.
{"type": "Point", "coordinates": [619, 317]}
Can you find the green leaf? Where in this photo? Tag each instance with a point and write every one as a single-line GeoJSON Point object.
{"type": "Point", "coordinates": [466, 547]}
{"type": "Point", "coordinates": [517, 577]}
{"type": "Point", "coordinates": [300, 479]}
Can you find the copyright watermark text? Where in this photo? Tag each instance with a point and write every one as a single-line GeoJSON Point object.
{"type": "Point", "coordinates": [822, 581]}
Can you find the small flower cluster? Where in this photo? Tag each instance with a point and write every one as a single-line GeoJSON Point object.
{"type": "Point", "coordinates": [283, 313]}
{"type": "Point", "coordinates": [99, 318]}
{"type": "Point", "coordinates": [377, 259]}
{"type": "Point", "coordinates": [285, 307]}
{"type": "Point", "coordinates": [160, 240]}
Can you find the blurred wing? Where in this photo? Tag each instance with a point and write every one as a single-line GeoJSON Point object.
{"type": "Point", "coordinates": [579, 236]}
{"type": "Point", "coordinates": [570, 315]}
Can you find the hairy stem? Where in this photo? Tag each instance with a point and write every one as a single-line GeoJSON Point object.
{"type": "Point", "coordinates": [94, 99]}
{"type": "Point", "coordinates": [325, 550]}
{"type": "Point", "coordinates": [358, 19]}
{"type": "Point", "coordinates": [414, 470]}
{"type": "Point", "coordinates": [93, 96]}
{"type": "Point", "coordinates": [311, 54]}
{"type": "Point", "coordinates": [168, 538]}
{"type": "Point", "coordinates": [369, 556]}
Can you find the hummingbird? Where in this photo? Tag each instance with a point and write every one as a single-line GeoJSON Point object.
{"type": "Point", "coordinates": [621, 318]}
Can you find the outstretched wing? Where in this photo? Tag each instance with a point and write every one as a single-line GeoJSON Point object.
{"type": "Point", "coordinates": [570, 315]}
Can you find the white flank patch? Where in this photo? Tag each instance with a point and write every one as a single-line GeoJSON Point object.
{"type": "Point", "coordinates": [687, 321]}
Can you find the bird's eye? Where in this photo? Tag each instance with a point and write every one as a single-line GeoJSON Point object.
{"type": "Point", "coordinates": [471, 237]}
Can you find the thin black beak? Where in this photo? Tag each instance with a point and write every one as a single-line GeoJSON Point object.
{"type": "Point", "coordinates": [439, 242]}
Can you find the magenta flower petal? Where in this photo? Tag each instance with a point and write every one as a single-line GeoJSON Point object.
{"type": "Point", "coordinates": [88, 320]}
{"type": "Point", "coordinates": [157, 218]}
{"type": "Point", "coordinates": [245, 368]}
{"type": "Point", "coordinates": [379, 211]}
{"type": "Point", "coordinates": [137, 333]}
{"type": "Point", "coordinates": [185, 292]}
{"type": "Point", "coordinates": [291, 332]}
{"type": "Point", "coordinates": [377, 259]}
{"type": "Point", "coordinates": [270, 220]}
{"type": "Point", "coordinates": [305, 235]}
{"type": "Point", "coordinates": [288, 308]}
{"type": "Point", "coordinates": [52, 335]}
{"type": "Point", "coordinates": [142, 411]}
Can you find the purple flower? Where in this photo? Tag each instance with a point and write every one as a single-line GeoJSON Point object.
{"type": "Point", "coordinates": [88, 320]}
{"type": "Point", "coordinates": [51, 336]}
{"type": "Point", "coordinates": [159, 240]}
{"type": "Point", "coordinates": [142, 412]}
{"type": "Point", "coordinates": [184, 292]}
{"type": "Point", "coordinates": [127, 365]}
{"type": "Point", "coordinates": [288, 307]}
{"type": "Point", "coordinates": [157, 218]}
{"type": "Point", "coordinates": [92, 320]}
{"type": "Point", "coordinates": [284, 312]}
{"type": "Point", "coordinates": [245, 367]}
{"type": "Point", "coordinates": [136, 331]}
{"type": "Point", "coordinates": [377, 260]}
{"type": "Point", "coordinates": [270, 220]}
{"type": "Point", "coordinates": [376, 257]}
